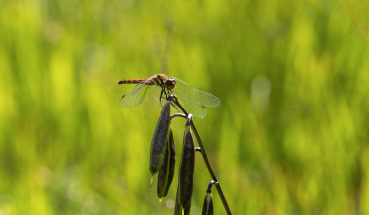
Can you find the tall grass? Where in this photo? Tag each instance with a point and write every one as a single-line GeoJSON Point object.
{"type": "Point", "coordinates": [290, 135]}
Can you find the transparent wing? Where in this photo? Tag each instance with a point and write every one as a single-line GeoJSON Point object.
{"type": "Point", "coordinates": [193, 107]}
{"type": "Point", "coordinates": [205, 98]}
{"type": "Point", "coordinates": [155, 92]}
{"type": "Point", "coordinates": [137, 88]}
{"type": "Point", "coordinates": [135, 97]}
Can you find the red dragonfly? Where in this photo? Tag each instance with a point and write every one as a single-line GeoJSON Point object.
{"type": "Point", "coordinates": [192, 99]}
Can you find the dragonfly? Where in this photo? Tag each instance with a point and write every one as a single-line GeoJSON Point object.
{"type": "Point", "coordinates": [192, 99]}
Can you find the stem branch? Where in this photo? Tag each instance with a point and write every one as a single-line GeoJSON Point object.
{"type": "Point", "coordinates": [205, 157]}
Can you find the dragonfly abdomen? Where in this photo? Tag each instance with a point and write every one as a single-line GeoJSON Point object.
{"type": "Point", "coordinates": [131, 81]}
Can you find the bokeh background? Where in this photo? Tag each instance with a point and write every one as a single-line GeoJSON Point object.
{"type": "Point", "coordinates": [290, 135]}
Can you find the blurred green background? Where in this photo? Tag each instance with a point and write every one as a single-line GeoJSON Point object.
{"type": "Point", "coordinates": [290, 135]}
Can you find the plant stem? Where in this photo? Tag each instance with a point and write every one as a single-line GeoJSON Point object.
{"type": "Point", "coordinates": [205, 157]}
{"type": "Point", "coordinates": [178, 114]}
{"type": "Point", "coordinates": [203, 152]}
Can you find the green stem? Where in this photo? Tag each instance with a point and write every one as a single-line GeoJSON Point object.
{"type": "Point", "coordinates": [204, 156]}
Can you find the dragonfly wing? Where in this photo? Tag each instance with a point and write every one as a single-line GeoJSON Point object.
{"type": "Point", "coordinates": [155, 92]}
{"type": "Point", "coordinates": [135, 97]}
{"type": "Point", "coordinates": [137, 88]}
{"type": "Point", "coordinates": [205, 98]}
{"type": "Point", "coordinates": [193, 107]}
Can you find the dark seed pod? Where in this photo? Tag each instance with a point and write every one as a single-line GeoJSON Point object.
{"type": "Point", "coordinates": [207, 208]}
{"type": "Point", "coordinates": [166, 172]}
{"type": "Point", "coordinates": [159, 139]}
{"type": "Point", "coordinates": [186, 167]}
{"type": "Point", "coordinates": [178, 210]}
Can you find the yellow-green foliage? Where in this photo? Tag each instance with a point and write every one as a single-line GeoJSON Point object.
{"type": "Point", "coordinates": [290, 135]}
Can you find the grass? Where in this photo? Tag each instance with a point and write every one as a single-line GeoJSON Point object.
{"type": "Point", "coordinates": [66, 147]}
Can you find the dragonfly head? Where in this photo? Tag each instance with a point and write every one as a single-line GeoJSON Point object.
{"type": "Point", "coordinates": [170, 84]}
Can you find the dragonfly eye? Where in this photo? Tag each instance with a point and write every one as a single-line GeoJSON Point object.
{"type": "Point", "coordinates": [170, 84]}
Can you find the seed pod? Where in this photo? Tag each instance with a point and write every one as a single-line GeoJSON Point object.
{"type": "Point", "coordinates": [178, 210]}
{"type": "Point", "coordinates": [166, 172]}
{"type": "Point", "coordinates": [207, 208]}
{"type": "Point", "coordinates": [186, 167]}
{"type": "Point", "coordinates": [159, 139]}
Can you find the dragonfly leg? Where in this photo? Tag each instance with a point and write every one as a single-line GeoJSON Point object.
{"type": "Point", "coordinates": [174, 107]}
{"type": "Point", "coordinates": [171, 92]}
{"type": "Point", "coordinates": [165, 92]}
{"type": "Point", "coordinates": [161, 96]}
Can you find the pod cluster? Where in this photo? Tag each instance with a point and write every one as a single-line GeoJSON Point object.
{"type": "Point", "coordinates": [163, 158]}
